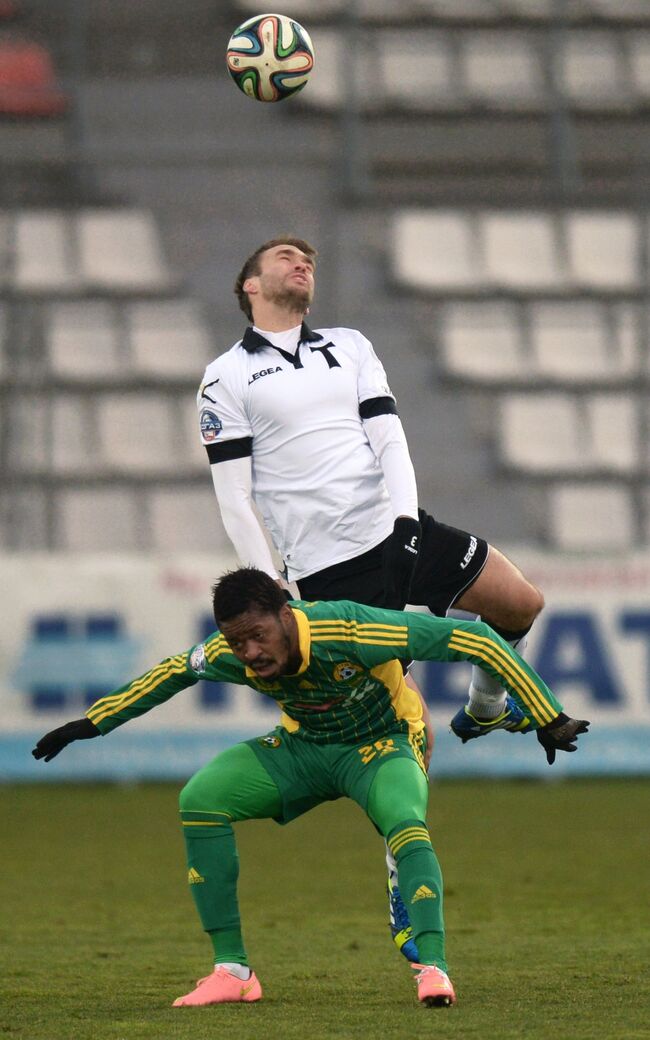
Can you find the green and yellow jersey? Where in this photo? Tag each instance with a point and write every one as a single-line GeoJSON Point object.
{"type": "Point", "coordinates": [350, 686]}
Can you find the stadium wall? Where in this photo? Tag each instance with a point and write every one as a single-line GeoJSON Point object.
{"type": "Point", "coordinates": [76, 628]}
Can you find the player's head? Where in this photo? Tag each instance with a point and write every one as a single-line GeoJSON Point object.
{"type": "Point", "coordinates": [252, 612]}
{"type": "Point", "coordinates": [280, 272]}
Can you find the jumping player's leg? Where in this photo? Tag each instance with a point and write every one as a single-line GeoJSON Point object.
{"type": "Point", "coordinates": [457, 569]}
{"type": "Point", "coordinates": [233, 787]}
{"type": "Point", "coordinates": [504, 598]}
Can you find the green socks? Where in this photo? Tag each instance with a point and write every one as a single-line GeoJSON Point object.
{"type": "Point", "coordinates": [420, 884]}
{"type": "Point", "coordinates": [213, 870]}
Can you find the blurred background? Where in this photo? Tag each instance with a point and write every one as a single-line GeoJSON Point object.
{"type": "Point", "coordinates": [474, 174]}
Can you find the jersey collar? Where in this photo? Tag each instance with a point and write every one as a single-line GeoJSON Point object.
{"type": "Point", "coordinates": [304, 644]}
{"type": "Point", "coordinates": [252, 341]}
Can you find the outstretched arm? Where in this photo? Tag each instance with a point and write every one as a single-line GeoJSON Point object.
{"type": "Point", "coordinates": [135, 698]}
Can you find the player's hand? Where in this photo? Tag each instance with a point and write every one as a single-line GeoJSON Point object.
{"type": "Point", "coordinates": [400, 557]}
{"type": "Point", "coordinates": [561, 735]}
{"type": "Point", "coordinates": [49, 746]}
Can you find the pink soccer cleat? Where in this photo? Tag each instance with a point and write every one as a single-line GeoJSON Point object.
{"type": "Point", "coordinates": [222, 988]}
{"type": "Point", "coordinates": [434, 986]}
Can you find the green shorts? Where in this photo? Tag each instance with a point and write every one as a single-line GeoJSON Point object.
{"type": "Point", "coordinates": [308, 774]}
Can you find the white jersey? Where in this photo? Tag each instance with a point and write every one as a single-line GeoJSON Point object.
{"type": "Point", "coordinates": [295, 402]}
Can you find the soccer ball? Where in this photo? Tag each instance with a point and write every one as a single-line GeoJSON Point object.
{"type": "Point", "coordinates": [270, 57]}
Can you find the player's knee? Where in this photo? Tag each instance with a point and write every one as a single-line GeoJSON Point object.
{"type": "Point", "coordinates": [519, 612]}
{"type": "Point", "coordinates": [197, 797]}
{"type": "Point", "coordinates": [530, 605]}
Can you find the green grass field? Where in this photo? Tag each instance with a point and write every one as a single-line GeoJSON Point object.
{"type": "Point", "coordinates": [548, 896]}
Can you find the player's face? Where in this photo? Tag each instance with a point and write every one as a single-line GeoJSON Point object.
{"type": "Point", "coordinates": [286, 278]}
{"type": "Point", "coordinates": [266, 643]}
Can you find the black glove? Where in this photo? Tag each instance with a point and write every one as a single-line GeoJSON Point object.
{"type": "Point", "coordinates": [49, 746]}
{"type": "Point", "coordinates": [400, 557]}
{"type": "Point", "coordinates": [561, 735]}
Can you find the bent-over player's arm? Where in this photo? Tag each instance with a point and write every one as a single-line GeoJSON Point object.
{"type": "Point", "coordinates": [447, 639]}
{"type": "Point", "coordinates": [211, 660]}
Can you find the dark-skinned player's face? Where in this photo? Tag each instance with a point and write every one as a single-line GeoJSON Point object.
{"type": "Point", "coordinates": [266, 643]}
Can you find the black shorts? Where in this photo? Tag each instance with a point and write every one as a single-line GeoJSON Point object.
{"type": "Point", "coordinates": [450, 560]}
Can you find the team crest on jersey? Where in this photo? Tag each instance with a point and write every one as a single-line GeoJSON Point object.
{"type": "Point", "coordinates": [211, 425]}
{"type": "Point", "coordinates": [197, 658]}
{"type": "Point", "coordinates": [269, 741]}
{"type": "Point", "coordinates": [346, 670]}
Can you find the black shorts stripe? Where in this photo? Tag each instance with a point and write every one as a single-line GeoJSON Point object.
{"type": "Point", "coordinates": [227, 450]}
{"type": "Point", "coordinates": [377, 406]}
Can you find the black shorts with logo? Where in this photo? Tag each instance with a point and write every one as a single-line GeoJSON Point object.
{"type": "Point", "coordinates": [450, 560]}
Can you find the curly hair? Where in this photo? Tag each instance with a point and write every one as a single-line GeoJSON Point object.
{"type": "Point", "coordinates": [252, 266]}
{"type": "Point", "coordinates": [245, 589]}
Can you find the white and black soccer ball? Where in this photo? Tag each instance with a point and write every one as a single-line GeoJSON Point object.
{"type": "Point", "coordinates": [270, 57]}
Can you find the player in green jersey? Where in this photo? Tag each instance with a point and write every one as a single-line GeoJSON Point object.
{"type": "Point", "coordinates": [350, 727]}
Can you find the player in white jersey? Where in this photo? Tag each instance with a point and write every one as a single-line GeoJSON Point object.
{"type": "Point", "coordinates": [303, 423]}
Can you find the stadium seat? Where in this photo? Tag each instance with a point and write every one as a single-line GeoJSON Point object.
{"type": "Point", "coordinates": [120, 251]}
{"type": "Point", "coordinates": [73, 446]}
{"type": "Point", "coordinates": [28, 85]}
{"type": "Point", "coordinates": [99, 520]}
{"type": "Point", "coordinates": [603, 250]}
{"type": "Point", "coordinates": [542, 434]}
{"type": "Point", "coordinates": [618, 10]}
{"type": "Point", "coordinates": [517, 83]}
{"type": "Point", "coordinates": [522, 251]}
{"type": "Point", "coordinates": [44, 255]}
{"type": "Point", "coordinates": [483, 342]}
{"type": "Point", "coordinates": [168, 339]}
{"type": "Point", "coordinates": [435, 250]}
{"type": "Point", "coordinates": [555, 432]}
{"type": "Point", "coordinates": [614, 432]}
{"type": "Point", "coordinates": [186, 519]}
{"type": "Point", "coordinates": [592, 71]}
{"type": "Point", "coordinates": [591, 517]}
{"type": "Point", "coordinates": [138, 433]}
{"type": "Point", "coordinates": [579, 342]}
{"type": "Point", "coordinates": [83, 341]}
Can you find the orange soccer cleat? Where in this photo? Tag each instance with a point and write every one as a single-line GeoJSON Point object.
{"type": "Point", "coordinates": [222, 987]}
{"type": "Point", "coordinates": [434, 986]}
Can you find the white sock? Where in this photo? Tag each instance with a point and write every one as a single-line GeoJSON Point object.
{"type": "Point", "coordinates": [391, 864]}
{"type": "Point", "coordinates": [487, 698]}
{"type": "Point", "coordinates": [240, 971]}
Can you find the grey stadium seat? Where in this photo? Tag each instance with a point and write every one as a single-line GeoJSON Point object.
{"type": "Point", "coordinates": [598, 517]}
{"type": "Point", "coordinates": [436, 250]}
{"type": "Point", "coordinates": [603, 250]}
{"type": "Point", "coordinates": [44, 258]}
{"type": "Point", "coordinates": [483, 342]}
{"type": "Point", "coordinates": [119, 250]}
{"type": "Point", "coordinates": [83, 341]}
{"type": "Point", "coordinates": [522, 251]}
{"type": "Point", "coordinates": [577, 341]}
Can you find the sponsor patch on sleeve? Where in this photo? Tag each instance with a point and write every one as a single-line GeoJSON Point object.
{"type": "Point", "coordinates": [211, 425]}
{"type": "Point", "coordinates": [197, 658]}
